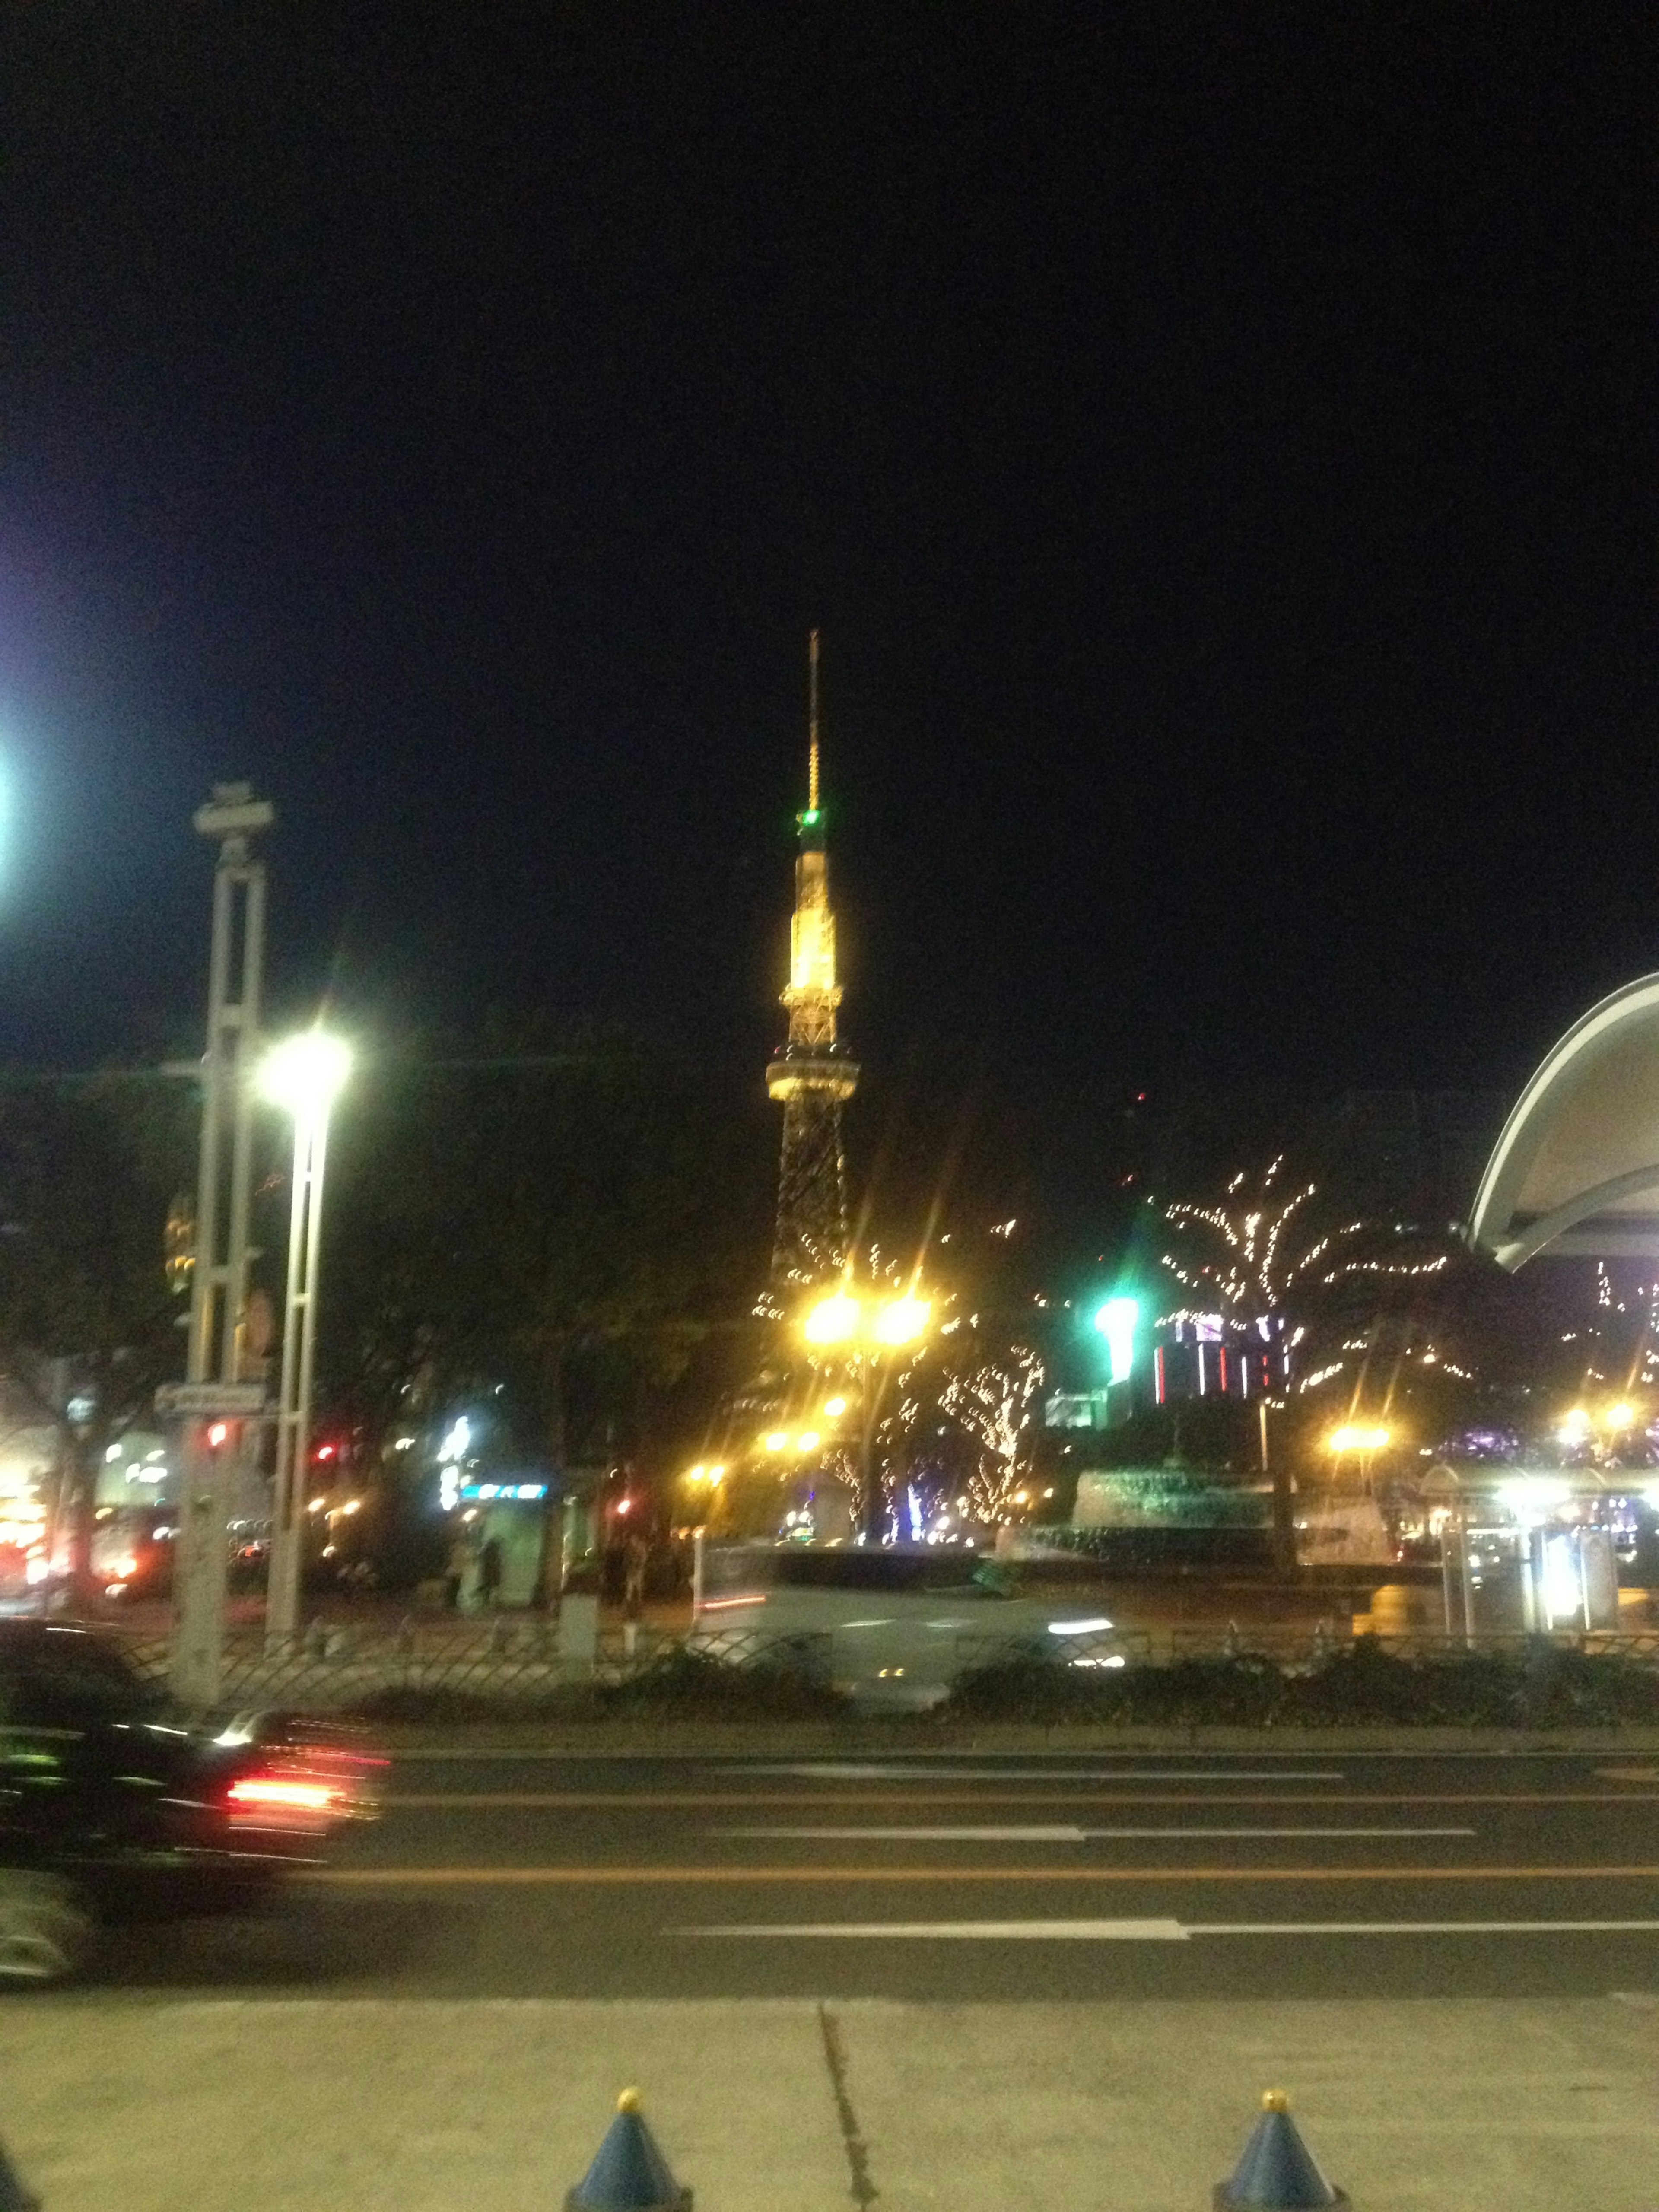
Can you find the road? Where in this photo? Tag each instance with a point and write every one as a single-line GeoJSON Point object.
{"type": "Point", "coordinates": [1051, 1982]}
{"type": "Point", "coordinates": [495, 1874]}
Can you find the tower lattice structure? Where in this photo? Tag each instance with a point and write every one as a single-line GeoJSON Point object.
{"type": "Point", "coordinates": [811, 1074]}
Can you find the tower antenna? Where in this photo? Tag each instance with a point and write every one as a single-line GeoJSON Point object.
{"type": "Point", "coordinates": [812, 722]}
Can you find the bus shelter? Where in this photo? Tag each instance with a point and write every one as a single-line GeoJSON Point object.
{"type": "Point", "coordinates": [1562, 1525]}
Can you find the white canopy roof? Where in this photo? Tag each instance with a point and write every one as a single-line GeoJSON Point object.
{"type": "Point", "coordinates": [1576, 1169]}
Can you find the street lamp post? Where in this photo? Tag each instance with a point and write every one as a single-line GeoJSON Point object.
{"type": "Point", "coordinates": [867, 1327]}
{"type": "Point", "coordinates": [305, 1075]}
{"type": "Point", "coordinates": [218, 1299]}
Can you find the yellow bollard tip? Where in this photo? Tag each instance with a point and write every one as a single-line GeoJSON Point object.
{"type": "Point", "coordinates": [628, 2101]}
{"type": "Point", "coordinates": [1275, 2100]}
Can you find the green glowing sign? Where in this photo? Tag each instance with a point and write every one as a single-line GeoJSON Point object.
{"type": "Point", "coordinates": [1117, 1323]}
{"type": "Point", "coordinates": [809, 819]}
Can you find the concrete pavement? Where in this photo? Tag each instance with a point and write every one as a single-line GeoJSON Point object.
{"type": "Point", "coordinates": [371, 2106]}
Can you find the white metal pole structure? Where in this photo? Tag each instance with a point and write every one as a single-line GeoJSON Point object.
{"type": "Point", "coordinates": [304, 1074]}
{"type": "Point", "coordinates": [218, 1294]}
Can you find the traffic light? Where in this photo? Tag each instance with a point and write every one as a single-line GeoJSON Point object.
{"type": "Point", "coordinates": [1116, 1322]}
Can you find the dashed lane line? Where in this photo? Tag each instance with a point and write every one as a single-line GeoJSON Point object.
{"type": "Point", "coordinates": [860, 1770]}
{"type": "Point", "coordinates": [1059, 1835]}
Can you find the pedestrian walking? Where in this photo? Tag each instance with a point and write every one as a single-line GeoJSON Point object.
{"type": "Point", "coordinates": [460, 1558]}
{"type": "Point", "coordinates": [490, 1572]}
{"type": "Point", "coordinates": [634, 1559]}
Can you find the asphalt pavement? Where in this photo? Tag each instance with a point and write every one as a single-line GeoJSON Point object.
{"type": "Point", "coordinates": [914, 1982]}
{"type": "Point", "coordinates": [530, 1874]}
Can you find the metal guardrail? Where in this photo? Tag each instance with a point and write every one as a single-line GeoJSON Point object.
{"type": "Point", "coordinates": [334, 1665]}
{"type": "Point", "coordinates": [518, 1659]}
{"type": "Point", "coordinates": [511, 1659]}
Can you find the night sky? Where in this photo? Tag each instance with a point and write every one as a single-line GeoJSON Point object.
{"type": "Point", "coordinates": [1216, 443]}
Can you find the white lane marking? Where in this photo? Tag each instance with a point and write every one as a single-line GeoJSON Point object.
{"type": "Point", "coordinates": [1422, 1927]}
{"type": "Point", "coordinates": [919, 1835]}
{"type": "Point", "coordinates": [1060, 1835]}
{"type": "Point", "coordinates": [991, 1931]}
{"type": "Point", "coordinates": [837, 1772]}
{"type": "Point", "coordinates": [1164, 1931]}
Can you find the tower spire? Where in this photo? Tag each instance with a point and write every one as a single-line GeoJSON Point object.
{"type": "Point", "coordinates": [812, 723]}
{"type": "Point", "coordinates": [811, 1075]}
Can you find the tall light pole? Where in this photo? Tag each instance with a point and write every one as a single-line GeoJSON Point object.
{"type": "Point", "coordinates": [213, 1388]}
{"type": "Point", "coordinates": [865, 1328]}
{"type": "Point", "coordinates": [304, 1074]}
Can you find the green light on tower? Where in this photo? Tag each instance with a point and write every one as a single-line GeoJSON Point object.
{"type": "Point", "coordinates": [1117, 1323]}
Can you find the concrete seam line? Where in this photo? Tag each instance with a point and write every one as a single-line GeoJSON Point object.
{"type": "Point", "coordinates": [861, 2188]}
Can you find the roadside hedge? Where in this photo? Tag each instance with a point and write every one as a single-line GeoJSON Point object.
{"type": "Point", "coordinates": [1545, 1685]}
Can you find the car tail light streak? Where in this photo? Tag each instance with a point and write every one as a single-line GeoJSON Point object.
{"type": "Point", "coordinates": [307, 1793]}
{"type": "Point", "coordinates": [293, 1791]}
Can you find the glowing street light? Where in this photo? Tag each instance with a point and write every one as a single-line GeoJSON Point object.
{"type": "Point", "coordinates": [304, 1074]}
{"type": "Point", "coordinates": [1354, 1437]}
{"type": "Point", "coordinates": [902, 1321]}
{"type": "Point", "coordinates": [833, 1320]}
{"type": "Point", "coordinates": [865, 1328]}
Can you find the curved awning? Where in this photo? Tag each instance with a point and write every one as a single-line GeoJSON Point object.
{"type": "Point", "coordinates": [1576, 1170]}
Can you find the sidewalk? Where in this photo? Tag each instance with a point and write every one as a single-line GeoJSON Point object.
{"type": "Point", "coordinates": [112, 2103]}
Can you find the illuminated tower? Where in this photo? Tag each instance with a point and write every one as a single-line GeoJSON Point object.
{"type": "Point", "coordinates": [811, 1074]}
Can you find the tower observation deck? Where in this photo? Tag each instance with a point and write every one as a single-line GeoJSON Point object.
{"type": "Point", "coordinates": [811, 1074]}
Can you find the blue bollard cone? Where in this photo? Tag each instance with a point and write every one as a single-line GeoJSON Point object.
{"type": "Point", "coordinates": [14, 2197]}
{"type": "Point", "coordinates": [1278, 2172]}
{"type": "Point", "coordinates": [630, 2173]}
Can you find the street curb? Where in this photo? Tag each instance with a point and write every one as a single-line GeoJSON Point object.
{"type": "Point", "coordinates": [694, 1738]}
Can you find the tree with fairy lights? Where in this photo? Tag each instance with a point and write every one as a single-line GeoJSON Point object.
{"type": "Point", "coordinates": [1261, 1260]}
{"type": "Point", "coordinates": [994, 1404]}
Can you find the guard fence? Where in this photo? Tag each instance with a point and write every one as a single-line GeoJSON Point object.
{"type": "Point", "coordinates": [520, 1660]}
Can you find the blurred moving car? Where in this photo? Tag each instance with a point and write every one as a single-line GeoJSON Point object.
{"type": "Point", "coordinates": [890, 1626]}
{"type": "Point", "coordinates": [115, 1809]}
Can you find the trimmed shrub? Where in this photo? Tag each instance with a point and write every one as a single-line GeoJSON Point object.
{"type": "Point", "coordinates": [1358, 1684]}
